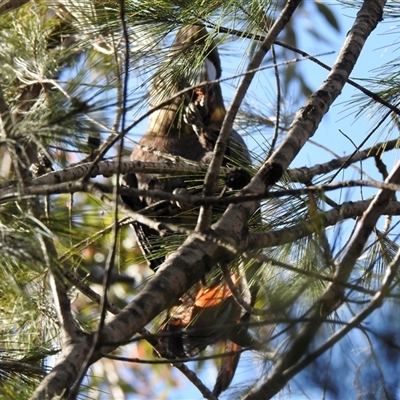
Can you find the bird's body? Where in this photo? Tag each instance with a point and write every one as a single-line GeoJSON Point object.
{"type": "Point", "coordinates": [188, 127]}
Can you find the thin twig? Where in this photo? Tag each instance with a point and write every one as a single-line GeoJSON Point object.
{"type": "Point", "coordinates": [261, 38]}
{"type": "Point", "coordinates": [109, 265]}
{"type": "Point", "coordinates": [278, 104]}
{"type": "Point", "coordinates": [174, 360]}
{"type": "Point", "coordinates": [375, 303]}
{"type": "Point", "coordinates": [211, 178]}
{"type": "Point", "coordinates": [306, 174]}
{"type": "Point", "coordinates": [10, 194]}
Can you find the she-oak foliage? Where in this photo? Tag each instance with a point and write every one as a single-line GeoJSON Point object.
{"type": "Point", "coordinates": [321, 258]}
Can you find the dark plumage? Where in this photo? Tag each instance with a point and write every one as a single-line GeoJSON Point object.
{"type": "Point", "coordinates": [187, 127]}
{"type": "Point", "coordinates": [169, 132]}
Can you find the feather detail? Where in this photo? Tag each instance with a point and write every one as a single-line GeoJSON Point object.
{"type": "Point", "coordinates": [227, 368]}
{"type": "Point", "coordinates": [188, 126]}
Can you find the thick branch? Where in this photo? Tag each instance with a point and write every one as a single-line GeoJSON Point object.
{"type": "Point", "coordinates": [367, 19]}
{"type": "Point", "coordinates": [109, 168]}
{"type": "Point", "coordinates": [221, 145]}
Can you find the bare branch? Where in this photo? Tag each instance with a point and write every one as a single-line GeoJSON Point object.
{"type": "Point", "coordinates": [345, 211]}
{"type": "Point", "coordinates": [109, 168]}
{"type": "Point", "coordinates": [221, 145]}
{"type": "Point", "coordinates": [306, 174]}
{"type": "Point", "coordinates": [376, 302]}
{"type": "Point", "coordinates": [307, 119]}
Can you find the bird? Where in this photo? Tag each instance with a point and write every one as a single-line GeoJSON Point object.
{"type": "Point", "coordinates": [188, 126]}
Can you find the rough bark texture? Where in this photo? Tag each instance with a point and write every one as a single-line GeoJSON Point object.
{"type": "Point", "coordinates": [305, 124]}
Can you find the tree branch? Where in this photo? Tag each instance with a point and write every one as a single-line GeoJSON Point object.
{"type": "Point", "coordinates": [221, 145]}
{"type": "Point", "coordinates": [367, 19]}
{"type": "Point", "coordinates": [305, 174]}
{"type": "Point", "coordinates": [109, 168]}
{"type": "Point", "coordinates": [345, 211]}
{"type": "Point", "coordinates": [189, 198]}
{"type": "Point", "coordinates": [376, 302]}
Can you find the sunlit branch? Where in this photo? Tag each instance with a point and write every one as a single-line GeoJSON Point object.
{"type": "Point", "coordinates": [306, 122]}
{"type": "Point", "coordinates": [376, 302]}
{"type": "Point", "coordinates": [221, 144]}
{"type": "Point", "coordinates": [351, 82]}
{"type": "Point", "coordinates": [109, 168]}
{"type": "Point", "coordinates": [305, 228]}
{"type": "Point", "coordinates": [306, 174]}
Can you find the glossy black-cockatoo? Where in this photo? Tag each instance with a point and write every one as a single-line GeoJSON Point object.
{"type": "Point", "coordinates": [188, 127]}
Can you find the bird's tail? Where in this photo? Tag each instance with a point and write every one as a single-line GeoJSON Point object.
{"type": "Point", "coordinates": [227, 368]}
